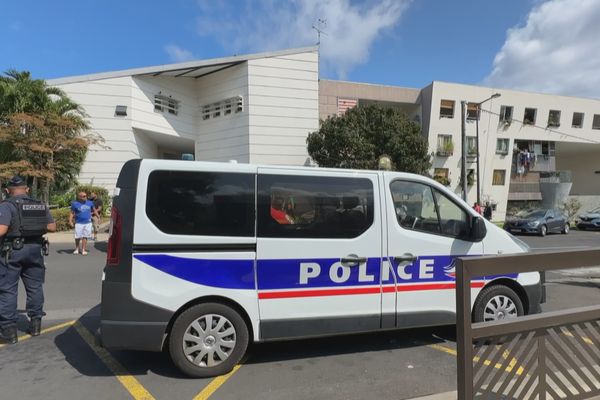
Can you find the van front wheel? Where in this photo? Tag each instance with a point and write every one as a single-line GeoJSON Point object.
{"type": "Point", "coordinates": [496, 303]}
{"type": "Point", "coordinates": [208, 340]}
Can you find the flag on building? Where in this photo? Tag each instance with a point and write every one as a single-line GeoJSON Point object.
{"type": "Point", "coordinates": [346, 104]}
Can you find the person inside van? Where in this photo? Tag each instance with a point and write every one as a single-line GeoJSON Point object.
{"type": "Point", "coordinates": [277, 211]}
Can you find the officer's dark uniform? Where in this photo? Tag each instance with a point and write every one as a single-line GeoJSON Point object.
{"type": "Point", "coordinates": [21, 256]}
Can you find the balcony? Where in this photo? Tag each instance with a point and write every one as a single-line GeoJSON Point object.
{"type": "Point", "coordinates": [528, 188]}
{"type": "Point", "coordinates": [544, 163]}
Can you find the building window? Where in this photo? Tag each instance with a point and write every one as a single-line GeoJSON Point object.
{"type": "Point", "coordinates": [499, 177]}
{"type": "Point", "coordinates": [506, 113]}
{"type": "Point", "coordinates": [554, 118]}
{"type": "Point", "coordinates": [577, 120]}
{"type": "Point", "coordinates": [472, 146]}
{"type": "Point", "coordinates": [442, 175]}
{"type": "Point", "coordinates": [445, 146]}
{"type": "Point", "coordinates": [502, 146]}
{"type": "Point", "coordinates": [232, 105]}
{"type": "Point", "coordinates": [529, 116]}
{"type": "Point", "coordinates": [167, 104]}
{"type": "Point", "coordinates": [472, 112]}
{"type": "Point", "coordinates": [447, 109]}
{"type": "Point", "coordinates": [596, 121]}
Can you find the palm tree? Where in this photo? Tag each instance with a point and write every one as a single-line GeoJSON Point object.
{"type": "Point", "coordinates": [43, 133]}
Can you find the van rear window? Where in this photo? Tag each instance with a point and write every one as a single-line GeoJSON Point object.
{"type": "Point", "coordinates": [314, 207]}
{"type": "Point", "coordinates": [202, 203]}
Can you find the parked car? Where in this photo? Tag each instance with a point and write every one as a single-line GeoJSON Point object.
{"type": "Point", "coordinates": [538, 221]}
{"type": "Point", "coordinates": [589, 220]}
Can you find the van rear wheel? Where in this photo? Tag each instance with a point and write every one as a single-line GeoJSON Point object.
{"type": "Point", "coordinates": [208, 340]}
{"type": "Point", "coordinates": [497, 302]}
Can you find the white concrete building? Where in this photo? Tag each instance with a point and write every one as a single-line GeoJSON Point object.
{"type": "Point", "coordinates": [257, 108]}
{"type": "Point", "coordinates": [260, 108]}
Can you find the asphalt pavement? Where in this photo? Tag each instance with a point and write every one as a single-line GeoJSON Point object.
{"type": "Point", "coordinates": [66, 362]}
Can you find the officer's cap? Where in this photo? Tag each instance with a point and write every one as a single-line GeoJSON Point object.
{"type": "Point", "coordinates": [16, 181]}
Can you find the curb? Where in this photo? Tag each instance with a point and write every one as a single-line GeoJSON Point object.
{"type": "Point", "coordinates": [439, 396]}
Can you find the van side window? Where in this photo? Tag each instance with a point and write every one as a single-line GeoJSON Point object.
{"type": "Point", "coordinates": [422, 208]}
{"type": "Point", "coordinates": [314, 207]}
{"type": "Point", "coordinates": [202, 203]}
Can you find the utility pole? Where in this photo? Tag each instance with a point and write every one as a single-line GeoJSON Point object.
{"type": "Point", "coordinates": [494, 96]}
{"type": "Point", "coordinates": [463, 152]}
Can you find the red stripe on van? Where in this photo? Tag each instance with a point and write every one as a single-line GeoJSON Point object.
{"type": "Point", "coordinates": [353, 291]}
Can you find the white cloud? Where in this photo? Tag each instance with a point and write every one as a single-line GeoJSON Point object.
{"type": "Point", "coordinates": [556, 51]}
{"type": "Point", "coordinates": [351, 27]}
{"type": "Point", "coordinates": [178, 54]}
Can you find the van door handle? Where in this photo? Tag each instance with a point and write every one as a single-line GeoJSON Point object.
{"type": "Point", "coordinates": [352, 260]}
{"type": "Point", "coordinates": [405, 257]}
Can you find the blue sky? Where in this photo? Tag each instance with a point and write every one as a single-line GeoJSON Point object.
{"type": "Point", "coordinates": [395, 42]}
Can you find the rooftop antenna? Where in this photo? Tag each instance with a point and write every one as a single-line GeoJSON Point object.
{"type": "Point", "coordinates": [321, 23]}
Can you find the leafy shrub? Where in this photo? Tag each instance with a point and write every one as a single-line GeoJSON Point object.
{"type": "Point", "coordinates": [61, 217]}
{"type": "Point", "coordinates": [62, 200]}
{"type": "Point", "coordinates": [570, 208]}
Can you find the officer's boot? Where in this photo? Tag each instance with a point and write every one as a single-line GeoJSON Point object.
{"type": "Point", "coordinates": [8, 335]}
{"type": "Point", "coordinates": [36, 326]}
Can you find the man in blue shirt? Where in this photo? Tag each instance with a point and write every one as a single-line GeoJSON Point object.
{"type": "Point", "coordinates": [81, 212]}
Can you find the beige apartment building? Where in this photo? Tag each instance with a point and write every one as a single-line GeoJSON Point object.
{"type": "Point", "coordinates": [534, 148]}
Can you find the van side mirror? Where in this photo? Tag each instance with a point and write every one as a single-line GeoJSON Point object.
{"type": "Point", "coordinates": [478, 229]}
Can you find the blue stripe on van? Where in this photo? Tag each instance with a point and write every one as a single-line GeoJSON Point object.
{"type": "Point", "coordinates": [285, 273]}
{"type": "Point", "coordinates": [226, 274]}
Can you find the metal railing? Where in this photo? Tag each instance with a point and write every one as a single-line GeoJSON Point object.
{"type": "Point", "coordinates": [551, 355]}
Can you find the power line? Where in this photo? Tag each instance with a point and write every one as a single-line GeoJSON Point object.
{"type": "Point", "coordinates": [547, 129]}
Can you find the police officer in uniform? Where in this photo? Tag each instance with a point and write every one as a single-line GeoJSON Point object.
{"type": "Point", "coordinates": [23, 223]}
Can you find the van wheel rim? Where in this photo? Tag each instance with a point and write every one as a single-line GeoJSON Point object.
{"type": "Point", "coordinates": [209, 340]}
{"type": "Point", "coordinates": [500, 307]}
{"type": "Point", "coordinates": [566, 228]}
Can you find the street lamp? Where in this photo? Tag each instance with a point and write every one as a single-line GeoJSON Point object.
{"type": "Point", "coordinates": [494, 96]}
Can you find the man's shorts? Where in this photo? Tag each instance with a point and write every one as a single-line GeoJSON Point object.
{"type": "Point", "coordinates": [83, 231]}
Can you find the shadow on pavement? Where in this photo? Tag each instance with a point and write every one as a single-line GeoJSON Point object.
{"type": "Point", "coordinates": [349, 344]}
{"type": "Point", "coordinates": [101, 246]}
{"type": "Point", "coordinates": [83, 358]}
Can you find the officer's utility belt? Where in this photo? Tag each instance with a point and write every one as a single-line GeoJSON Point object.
{"type": "Point", "coordinates": [18, 242]}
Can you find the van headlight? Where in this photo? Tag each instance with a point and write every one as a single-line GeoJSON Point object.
{"type": "Point", "coordinates": [533, 224]}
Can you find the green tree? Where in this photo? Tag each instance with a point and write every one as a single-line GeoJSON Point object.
{"type": "Point", "coordinates": [43, 134]}
{"type": "Point", "coordinates": [362, 135]}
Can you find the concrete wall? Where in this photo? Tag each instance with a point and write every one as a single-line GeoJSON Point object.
{"type": "Point", "coordinates": [99, 99]}
{"type": "Point", "coordinates": [145, 117]}
{"type": "Point", "coordinates": [283, 107]}
{"type": "Point", "coordinates": [226, 137]}
{"type": "Point", "coordinates": [329, 91]}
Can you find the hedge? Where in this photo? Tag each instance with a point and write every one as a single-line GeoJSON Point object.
{"type": "Point", "coordinates": [61, 217]}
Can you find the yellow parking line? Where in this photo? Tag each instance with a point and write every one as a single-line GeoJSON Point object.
{"type": "Point", "coordinates": [505, 355]}
{"type": "Point", "coordinates": [130, 383]}
{"type": "Point", "coordinates": [585, 339]}
{"type": "Point", "coordinates": [49, 329]}
{"type": "Point", "coordinates": [215, 384]}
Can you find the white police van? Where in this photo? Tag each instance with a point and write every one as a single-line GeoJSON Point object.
{"type": "Point", "coordinates": [205, 257]}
